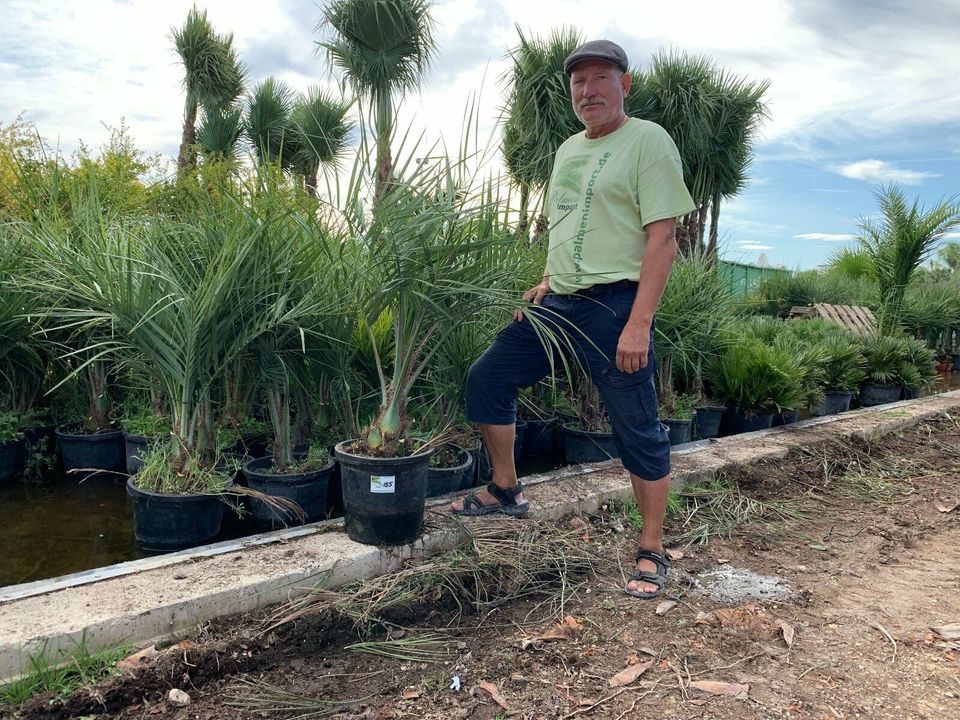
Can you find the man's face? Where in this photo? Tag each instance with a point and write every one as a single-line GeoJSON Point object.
{"type": "Point", "coordinates": [597, 89]}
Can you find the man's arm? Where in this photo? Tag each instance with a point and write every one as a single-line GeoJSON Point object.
{"type": "Point", "coordinates": [634, 346]}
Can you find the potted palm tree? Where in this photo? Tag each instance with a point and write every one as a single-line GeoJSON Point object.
{"type": "Point", "coordinates": [677, 412]}
{"type": "Point", "coordinates": [183, 301]}
{"type": "Point", "coordinates": [693, 311]}
{"type": "Point", "coordinates": [432, 257]}
{"type": "Point", "coordinates": [755, 380]}
{"type": "Point", "coordinates": [843, 371]}
{"type": "Point", "coordinates": [886, 357]}
{"type": "Point", "coordinates": [920, 369]}
{"type": "Point", "coordinates": [588, 437]}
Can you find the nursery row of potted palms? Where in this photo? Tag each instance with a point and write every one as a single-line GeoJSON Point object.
{"type": "Point", "coordinates": [250, 297]}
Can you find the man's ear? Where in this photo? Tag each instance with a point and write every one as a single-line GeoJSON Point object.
{"type": "Point", "coordinates": [626, 82]}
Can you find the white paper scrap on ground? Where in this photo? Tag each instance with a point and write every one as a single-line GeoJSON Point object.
{"type": "Point", "coordinates": [455, 683]}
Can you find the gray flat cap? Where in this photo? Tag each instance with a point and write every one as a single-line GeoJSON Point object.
{"type": "Point", "coordinates": [597, 50]}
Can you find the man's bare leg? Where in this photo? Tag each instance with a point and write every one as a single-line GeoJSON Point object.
{"type": "Point", "coordinates": [652, 499]}
{"type": "Point", "coordinates": [498, 440]}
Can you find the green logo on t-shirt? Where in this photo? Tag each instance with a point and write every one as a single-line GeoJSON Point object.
{"type": "Point", "coordinates": [568, 182]}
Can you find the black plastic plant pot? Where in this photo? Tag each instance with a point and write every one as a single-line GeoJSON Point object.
{"type": "Point", "coordinates": [581, 446]}
{"type": "Point", "coordinates": [383, 498]}
{"type": "Point", "coordinates": [911, 393]}
{"type": "Point", "coordinates": [540, 438]}
{"type": "Point", "coordinates": [472, 479]}
{"type": "Point", "coordinates": [135, 447]}
{"type": "Point", "coordinates": [706, 421]}
{"type": "Point", "coordinates": [444, 480]}
{"type": "Point", "coordinates": [872, 394]}
{"type": "Point", "coordinates": [680, 430]}
{"type": "Point", "coordinates": [739, 421]}
{"type": "Point", "coordinates": [306, 489]}
{"type": "Point", "coordinates": [164, 523]}
{"type": "Point", "coordinates": [955, 357]}
{"type": "Point", "coordinates": [787, 417]}
{"type": "Point", "coordinates": [834, 401]}
{"type": "Point", "coordinates": [10, 452]}
{"type": "Point", "coordinates": [103, 451]}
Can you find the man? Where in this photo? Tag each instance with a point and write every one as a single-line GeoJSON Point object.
{"type": "Point", "coordinates": [615, 193]}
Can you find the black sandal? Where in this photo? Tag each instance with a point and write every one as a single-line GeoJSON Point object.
{"type": "Point", "coordinates": [506, 503]}
{"type": "Point", "coordinates": [659, 578]}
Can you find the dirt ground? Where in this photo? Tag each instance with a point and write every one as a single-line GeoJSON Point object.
{"type": "Point", "coordinates": [869, 568]}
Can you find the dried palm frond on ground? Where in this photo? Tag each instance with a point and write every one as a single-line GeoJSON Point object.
{"type": "Point", "coordinates": [427, 648]}
{"type": "Point", "coordinates": [270, 700]}
{"type": "Point", "coordinates": [722, 509]}
{"type": "Point", "coordinates": [498, 561]}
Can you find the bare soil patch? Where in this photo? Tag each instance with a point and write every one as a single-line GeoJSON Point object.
{"type": "Point", "coordinates": [868, 548]}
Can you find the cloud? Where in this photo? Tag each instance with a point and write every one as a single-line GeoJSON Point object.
{"type": "Point", "coordinates": [878, 171]}
{"type": "Point", "coordinates": [952, 235]}
{"type": "Point", "coordinates": [829, 237]}
{"type": "Point", "coordinates": [748, 245]}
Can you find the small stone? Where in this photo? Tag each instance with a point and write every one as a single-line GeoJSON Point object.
{"type": "Point", "coordinates": [665, 607]}
{"type": "Point", "coordinates": [178, 698]}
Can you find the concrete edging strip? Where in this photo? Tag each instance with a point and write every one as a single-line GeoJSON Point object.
{"type": "Point", "coordinates": [137, 602]}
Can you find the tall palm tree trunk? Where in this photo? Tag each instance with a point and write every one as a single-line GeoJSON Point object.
{"type": "Point", "coordinates": [187, 157]}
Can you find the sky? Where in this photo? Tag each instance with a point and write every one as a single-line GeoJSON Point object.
{"type": "Point", "coordinates": [863, 93]}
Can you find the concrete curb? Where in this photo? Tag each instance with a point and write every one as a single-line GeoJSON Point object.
{"type": "Point", "coordinates": [140, 601]}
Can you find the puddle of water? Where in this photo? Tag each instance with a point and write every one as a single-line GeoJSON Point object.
{"type": "Point", "coordinates": [62, 526]}
{"type": "Point", "coordinates": [736, 586]}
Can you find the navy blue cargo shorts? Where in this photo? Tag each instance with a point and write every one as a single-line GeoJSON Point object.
{"type": "Point", "coordinates": [592, 321]}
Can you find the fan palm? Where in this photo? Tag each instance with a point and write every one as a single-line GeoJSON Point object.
{"type": "Point", "coordinates": [383, 47]}
{"type": "Point", "coordinates": [219, 132]}
{"type": "Point", "coordinates": [319, 122]}
{"type": "Point", "coordinates": [897, 244]}
{"type": "Point", "coordinates": [268, 122]}
{"type": "Point", "coordinates": [213, 75]}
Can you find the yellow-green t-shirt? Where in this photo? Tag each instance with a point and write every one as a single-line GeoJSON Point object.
{"type": "Point", "coordinates": [602, 193]}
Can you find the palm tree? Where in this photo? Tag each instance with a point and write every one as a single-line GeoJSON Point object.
{"type": "Point", "coordinates": [538, 116]}
{"type": "Point", "coordinates": [713, 117]}
{"type": "Point", "coordinates": [219, 132]}
{"type": "Point", "coordinates": [383, 47]}
{"type": "Point", "coordinates": [319, 123]}
{"type": "Point", "coordinates": [213, 76]}
{"type": "Point", "coordinates": [851, 263]}
{"type": "Point", "coordinates": [897, 244]}
{"type": "Point", "coordinates": [268, 120]}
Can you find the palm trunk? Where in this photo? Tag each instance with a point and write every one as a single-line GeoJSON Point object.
{"type": "Point", "coordinates": [383, 121]}
{"type": "Point", "coordinates": [310, 184]}
{"type": "Point", "coordinates": [187, 157]}
{"type": "Point", "coordinates": [714, 219]}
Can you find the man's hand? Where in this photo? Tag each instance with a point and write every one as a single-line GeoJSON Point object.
{"type": "Point", "coordinates": [534, 295]}
{"type": "Point", "coordinates": [633, 348]}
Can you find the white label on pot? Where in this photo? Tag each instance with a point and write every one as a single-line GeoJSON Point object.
{"type": "Point", "coordinates": [383, 483]}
